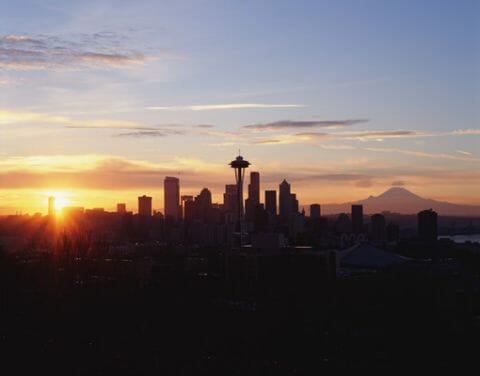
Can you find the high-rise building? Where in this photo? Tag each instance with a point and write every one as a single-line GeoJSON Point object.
{"type": "Point", "coordinates": [271, 201]}
{"type": "Point", "coordinates": [121, 208]}
{"type": "Point", "coordinates": [145, 206]}
{"type": "Point", "coordinates": [378, 230]}
{"type": "Point", "coordinates": [184, 199]}
{"type": "Point", "coordinates": [203, 205]}
{"type": "Point", "coordinates": [357, 219]}
{"type": "Point", "coordinates": [294, 202]}
{"type": "Point", "coordinates": [315, 211]}
{"type": "Point", "coordinates": [427, 225]}
{"type": "Point", "coordinates": [254, 188]}
{"type": "Point", "coordinates": [171, 197]}
{"type": "Point", "coordinates": [253, 196]}
{"type": "Point", "coordinates": [285, 200]}
{"type": "Point", "coordinates": [51, 206]}
{"type": "Point", "coordinates": [230, 198]}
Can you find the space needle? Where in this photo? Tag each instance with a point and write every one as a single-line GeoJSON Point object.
{"type": "Point", "coordinates": [239, 165]}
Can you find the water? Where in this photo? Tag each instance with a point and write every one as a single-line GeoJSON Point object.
{"type": "Point", "coordinates": [462, 238]}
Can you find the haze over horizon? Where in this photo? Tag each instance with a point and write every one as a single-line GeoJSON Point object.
{"type": "Point", "coordinates": [100, 100]}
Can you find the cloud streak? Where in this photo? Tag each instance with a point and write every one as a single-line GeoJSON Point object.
{"type": "Point", "coordinates": [83, 51]}
{"type": "Point", "coordinates": [289, 124]}
{"type": "Point", "coordinates": [224, 106]}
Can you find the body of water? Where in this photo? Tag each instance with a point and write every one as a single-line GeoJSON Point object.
{"type": "Point", "coordinates": [462, 238]}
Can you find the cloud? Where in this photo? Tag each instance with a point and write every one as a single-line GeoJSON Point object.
{"type": "Point", "coordinates": [362, 136]}
{"type": "Point", "coordinates": [468, 131]}
{"type": "Point", "coordinates": [81, 51]}
{"type": "Point", "coordinates": [226, 106]}
{"type": "Point", "coordinates": [398, 183]}
{"type": "Point", "coordinates": [25, 117]}
{"type": "Point", "coordinates": [104, 172]}
{"type": "Point", "coordinates": [463, 152]}
{"type": "Point", "coordinates": [307, 137]}
{"type": "Point", "coordinates": [423, 154]}
{"type": "Point", "coordinates": [289, 124]}
{"type": "Point", "coordinates": [153, 133]}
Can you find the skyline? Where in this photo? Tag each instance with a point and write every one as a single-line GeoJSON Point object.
{"type": "Point", "coordinates": [102, 100]}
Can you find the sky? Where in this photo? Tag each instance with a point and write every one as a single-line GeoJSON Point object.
{"type": "Point", "coordinates": [100, 100]}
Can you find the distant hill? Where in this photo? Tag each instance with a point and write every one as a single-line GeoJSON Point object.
{"type": "Point", "coordinates": [401, 200]}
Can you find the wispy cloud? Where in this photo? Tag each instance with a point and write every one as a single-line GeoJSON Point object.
{"type": "Point", "coordinates": [289, 124]}
{"type": "Point", "coordinates": [463, 152]}
{"type": "Point", "coordinates": [153, 133]}
{"type": "Point", "coordinates": [466, 131]}
{"type": "Point", "coordinates": [98, 50]}
{"type": "Point", "coordinates": [34, 118]}
{"type": "Point", "coordinates": [225, 106]}
{"type": "Point", "coordinates": [423, 154]}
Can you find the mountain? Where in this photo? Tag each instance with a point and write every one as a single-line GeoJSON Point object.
{"type": "Point", "coordinates": [400, 200]}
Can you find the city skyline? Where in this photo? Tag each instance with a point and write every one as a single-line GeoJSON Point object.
{"type": "Point", "coordinates": [100, 101]}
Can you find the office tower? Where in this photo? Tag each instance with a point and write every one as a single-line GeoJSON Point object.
{"type": "Point", "coordinates": [254, 188]}
{"type": "Point", "coordinates": [51, 206]}
{"type": "Point", "coordinates": [357, 219]}
{"type": "Point", "coordinates": [203, 205]}
{"type": "Point", "coordinates": [427, 225]}
{"type": "Point", "coordinates": [271, 202]}
{"type": "Point", "coordinates": [145, 206]}
{"type": "Point", "coordinates": [315, 211]}
{"type": "Point", "coordinates": [230, 198]}
{"type": "Point", "coordinates": [171, 197]}
{"type": "Point", "coordinates": [184, 199]}
{"type": "Point", "coordinates": [121, 208]}
{"type": "Point", "coordinates": [239, 165]}
{"type": "Point", "coordinates": [285, 200]}
{"type": "Point", "coordinates": [294, 202]}
{"type": "Point", "coordinates": [253, 196]}
{"type": "Point", "coordinates": [378, 229]}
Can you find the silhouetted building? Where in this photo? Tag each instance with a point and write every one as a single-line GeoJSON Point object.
{"type": "Point", "coordinates": [253, 195]}
{"type": "Point", "coordinates": [314, 211]}
{"type": "Point", "coordinates": [285, 200]}
{"type": "Point", "coordinates": [51, 206]}
{"type": "Point", "coordinates": [271, 202]}
{"type": "Point", "coordinates": [377, 228]}
{"type": "Point", "coordinates": [230, 198]}
{"type": "Point", "coordinates": [254, 188]}
{"type": "Point", "coordinates": [393, 232]}
{"type": "Point", "coordinates": [203, 205]}
{"type": "Point", "coordinates": [184, 199]}
{"type": "Point", "coordinates": [342, 224]}
{"type": "Point", "coordinates": [121, 208]}
{"type": "Point", "coordinates": [294, 202]}
{"type": "Point", "coordinates": [357, 219]}
{"type": "Point", "coordinates": [145, 206]}
{"type": "Point", "coordinates": [427, 225]}
{"type": "Point", "coordinates": [171, 195]}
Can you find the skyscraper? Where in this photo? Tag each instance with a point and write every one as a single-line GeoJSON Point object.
{"type": "Point", "coordinates": [51, 206]}
{"type": "Point", "coordinates": [271, 201]}
{"type": "Point", "coordinates": [254, 188]}
{"type": "Point", "coordinates": [314, 211]}
{"type": "Point", "coordinates": [121, 208]}
{"type": "Point", "coordinates": [427, 225]}
{"type": "Point", "coordinates": [184, 199]}
{"type": "Point", "coordinates": [230, 198]}
{"type": "Point", "coordinates": [294, 204]}
{"type": "Point", "coordinates": [253, 195]}
{"type": "Point", "coordinates": [239, 165]}
{"type": "Point", "coordinates": [145, 206]}
{"type": "Point", "coordinates": [285, 200]}
{"type": "Point", "coordinates": [357, 219]}
{"type": "Point", "coordinates": [171, 197]}
{"type": "Point", "coordinates": [378, 228]}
